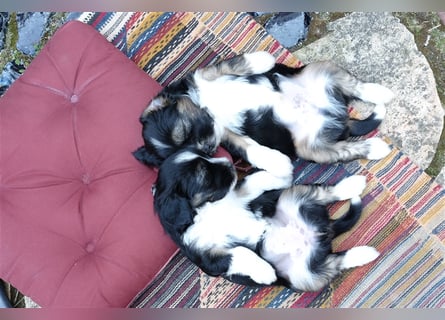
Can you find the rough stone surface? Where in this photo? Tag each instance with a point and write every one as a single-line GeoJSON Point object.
{"type": "Point", "coordinates": [376, 47]}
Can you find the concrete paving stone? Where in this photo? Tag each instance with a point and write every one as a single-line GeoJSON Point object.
{"type": "Point", "coordinates": [376, 47]}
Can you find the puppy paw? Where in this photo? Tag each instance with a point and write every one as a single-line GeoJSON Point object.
{"type": "Point", "coordinates": [270, 160]}
{"type": "Point", "coordinates": [379, 112]}
{"type": "Point", "coordinates": [375, 93]}
{"type": "Point", "coordinates": [245, 262]}
{"type": "Point", "coordinates": [265, 180]}
{"type": "Point", "coordinates": [350, 187]}
{"type": "Point", "coordinates": [263, 273]}
{"type": "Point", "coordinates": [359, 256]}
{"type": "Point", "coordinates": [378, 149]}
{"type": "Point", "coordinates": [260, 61]}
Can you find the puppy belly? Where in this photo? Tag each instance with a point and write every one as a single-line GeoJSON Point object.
{"type": "Point", "coordinates": [290, 240]}
{"type": "Point", "coordinates": [289, 247]}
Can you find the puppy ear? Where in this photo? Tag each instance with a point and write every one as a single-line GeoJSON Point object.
{"type": "Point", "coordinates": [155, 104]}
{"type": "Point", "coordinates": [141, 154]}
{"type": "Point", "coordinates": [175, 214]}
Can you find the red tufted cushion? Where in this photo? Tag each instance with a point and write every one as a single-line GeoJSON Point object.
{"type": "Point", "coordinates": [77, 226]}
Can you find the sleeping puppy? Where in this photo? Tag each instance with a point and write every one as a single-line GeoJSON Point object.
{"type": "Point", "coordinates": [260, 231]}
{"type": "Point", "coordinates": [265, 113]}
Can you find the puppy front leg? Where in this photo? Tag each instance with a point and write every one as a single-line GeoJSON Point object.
{"type": "Point", "coordinates": [255, 184]}
{"type": "Point", "coordinates": [261, 157]}
{"type": "Point", "coordinates": [241, 65]}
{"type": "Point", "coordinates": [246, 263]}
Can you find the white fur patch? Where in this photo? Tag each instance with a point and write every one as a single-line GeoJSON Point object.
{"type": "Point", "coordinates": [289, 235]}
{"type": "Point", "coordinates": [220, 223]}
{"type": "Point", "coordinates": [375, 93]}
{"type": "Point", "coordinates": [359, 256]}
{"type": "Point", "coordinates": [222, 160]}
{"type": "Point", "coordinates": [379, 111]}
{"type": "Point", "coordinates": [227, 99]}
{"type": "Point", "coordinates": [378, 149]}
{"type": "Point", "coordinates": [356, 200]}
{"type": "Point", "coordinates": [273, 161]}
{"type": "Point", "coordinates": [246, 262]}
{"type": "Point", "coordinates": [290, 242]}
{"type": "Point", "coordinates": [155, 104]}
{"type": "Point", "coordinates": [262, 181]}
{"type": "Point", "coordinates": [158, 144]}
{"type": "Point", "coordinates": [350, 187]}
{"type": "Point", "coordinates": [260, 61]}
{"type": "Point", "coordinates": [185, 156]}
{"type": "Point", "coordinates": [304, 98]}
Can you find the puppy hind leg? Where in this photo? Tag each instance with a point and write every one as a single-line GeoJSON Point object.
{"type": "Point", "coordinates": [357, 256]}
{"type": "Point", "coordinates": [349, 187]}
{"type": "Point", "coordinates": [344, 151]}
{"type": "Point", "coordinates": [340, 261]}
{"type": "Point", "coordinates": [374, 93]}
{"type": "Point", "coordinates": [353, 87]}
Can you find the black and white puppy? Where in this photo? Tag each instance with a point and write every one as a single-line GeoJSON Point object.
{"type": "Point", "coordinates": [255, 232]}
{"type": "Point", "coordinates": [264, 112]}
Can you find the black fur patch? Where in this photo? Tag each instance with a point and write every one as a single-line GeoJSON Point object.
{"type": "Point", "coordinates": [262, 127]}
{"type": "Point", "coordinates": [266, 203]}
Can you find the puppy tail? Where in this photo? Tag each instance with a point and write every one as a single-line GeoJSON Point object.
{"type": "Point", "coordinates": [365, 126]}
{"type": "Point", "coordinates": [349, 219]}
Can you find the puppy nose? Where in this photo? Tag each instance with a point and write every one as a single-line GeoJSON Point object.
{"type": "Point", "coordinates": [209, 149]}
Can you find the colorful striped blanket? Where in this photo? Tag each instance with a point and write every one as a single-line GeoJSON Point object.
{"type": "Point", "coordinates": [404, 209]}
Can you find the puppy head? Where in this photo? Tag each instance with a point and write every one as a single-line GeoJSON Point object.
{"type": "Point", "coordinates": [196, 177]}
{"type": "Point", "coordinates": [187, 180]}
{"type": "Point", "coordinates": [175, 125]}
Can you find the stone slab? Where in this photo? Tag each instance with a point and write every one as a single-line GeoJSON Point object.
{"type": "Point", "coordinates": [376, 47]}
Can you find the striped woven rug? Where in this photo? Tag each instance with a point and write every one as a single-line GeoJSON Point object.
{"type": "Point", "coordinates": [404, 210]}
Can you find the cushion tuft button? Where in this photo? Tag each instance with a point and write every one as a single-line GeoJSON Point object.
{"type": "Point", "coordinates": [86, 178]}
{"type": "Point", "coordinates": [74, 98]}
{"type": "Point", "coordinates": [90, 247]}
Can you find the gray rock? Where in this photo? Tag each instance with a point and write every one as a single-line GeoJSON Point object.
{"type": "Point", "coordinates": [289, 28]}
{"type": "Point", "coordinates": [376, 47]}
{"type": "Point", "coordinates": [31, 27]}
